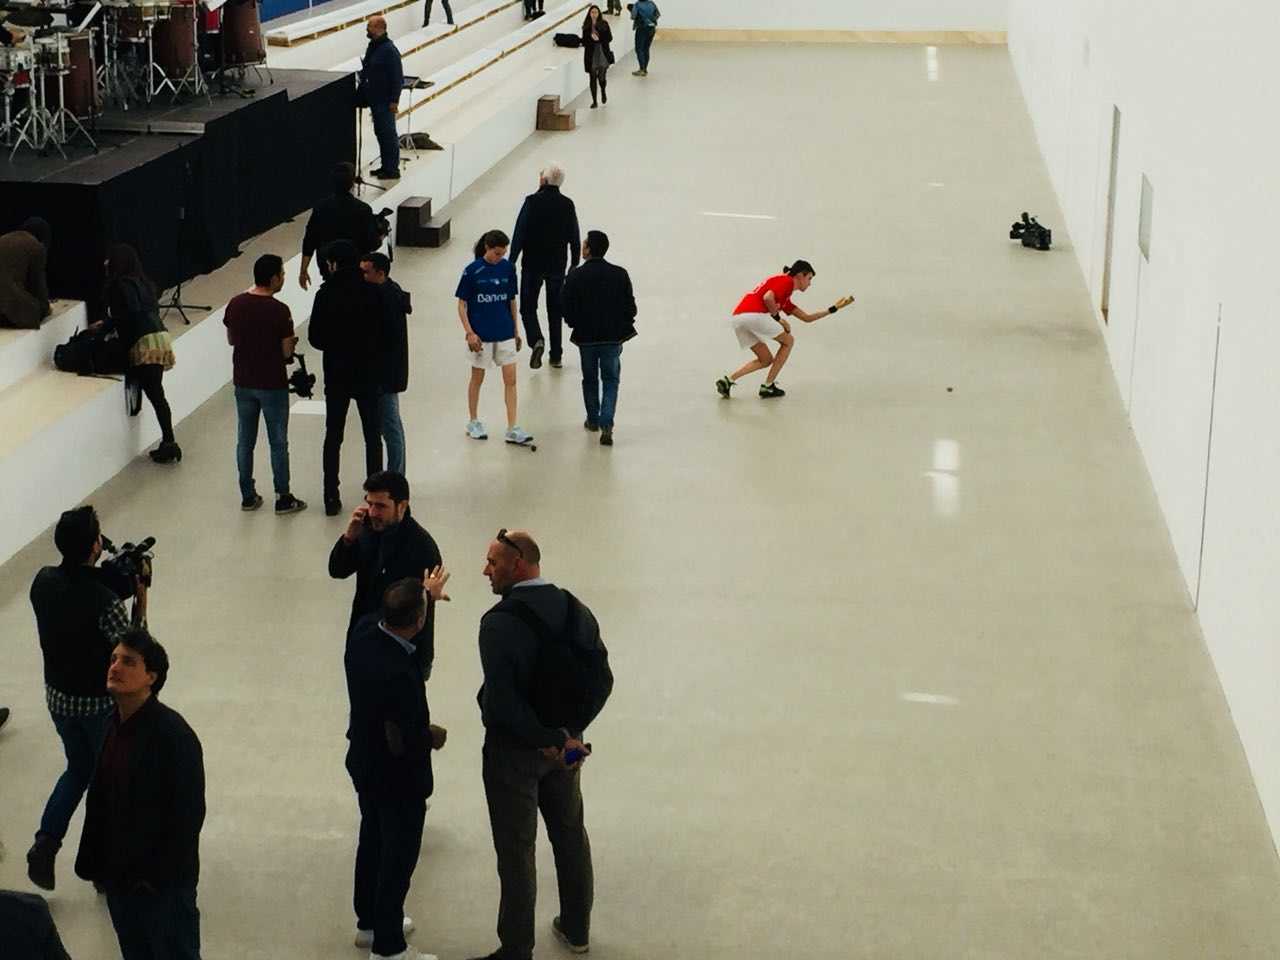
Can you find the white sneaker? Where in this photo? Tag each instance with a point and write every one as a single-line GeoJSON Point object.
{"type": "Point", "coordinates": [410, 954]}
{"type": "Point", "coordinates": [364, 938]}
{"type": "Point", "coordinates": [476, 431]}
{"type": "Point", "coordinates": [518, 435]}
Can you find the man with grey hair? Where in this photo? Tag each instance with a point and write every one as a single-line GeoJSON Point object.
{"type": "Point", "coordinates": [547, 234]}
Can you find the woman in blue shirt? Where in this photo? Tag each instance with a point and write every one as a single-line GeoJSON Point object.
{"type": "Point", "coordinates": [487, 308]}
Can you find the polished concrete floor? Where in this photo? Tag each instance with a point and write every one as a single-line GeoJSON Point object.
{"type": "Point", "coordinates": [905, 665]}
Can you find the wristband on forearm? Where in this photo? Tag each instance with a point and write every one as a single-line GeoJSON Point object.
{"type": "Point", "coordinates": [776, 316]}
{"type": "Point", "coordinates": [832, 309]}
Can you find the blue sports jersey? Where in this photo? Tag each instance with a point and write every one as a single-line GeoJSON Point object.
{"type": "Point", "coordinates": [489, 289]}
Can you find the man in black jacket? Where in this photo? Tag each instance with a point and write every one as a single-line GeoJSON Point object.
{"type": "Point", "coordinates": [145, 809]}
{"type": "Point", "coordinates": [345, 318]}
{"type": "Point", "coordinates": [547, 234]}
{"type": "Point", "coordinates": [381, 82]}
{"type": "Point", "coordinates": [79, 615]}
{"type": "Point", "coordinates": [339, 216]}
{"type": "Point", "coordinates": [600, 308]}
{"type": "Point", "coordinates": [383, 544]}
{"type": "Point", "coordinates": [389, 759]}
{"type": "Point", "coordinates": [531, 763]}
{"type": "Point", "coordinates": [393, 344]}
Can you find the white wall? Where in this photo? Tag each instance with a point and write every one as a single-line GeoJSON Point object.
{"type": "Point", "coordinates": [1194, 85]}
{"type": "Point", "coordinates": [834, 14]}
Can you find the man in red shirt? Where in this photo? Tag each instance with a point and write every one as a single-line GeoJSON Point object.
{"type": "Point", "coordinates": [758, 319]}
{"type": "Point", "coordinates": [260, 331]}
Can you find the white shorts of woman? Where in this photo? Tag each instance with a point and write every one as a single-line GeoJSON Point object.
{"type": "Point", "coordinates": [499, 353]}
{"type": "Point", "coordinates": [753, 328]}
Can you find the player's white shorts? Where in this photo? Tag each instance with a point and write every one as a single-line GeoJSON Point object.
{"type": "Point", "coordinates": [753, 328]}
{"type": "Point", "coordinates": [497, 354]}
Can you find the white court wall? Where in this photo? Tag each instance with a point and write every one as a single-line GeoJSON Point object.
{"type": "Point", "coordinates": [1194, 86]}
{"type": "Point", "coordinates": [913, 15]}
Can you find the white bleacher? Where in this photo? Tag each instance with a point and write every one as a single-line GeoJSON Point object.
{"type": "Point", "coordinates": [24, 352]}
{"type": "Point", "coordinates": [321, 23]}
{"type": "Point", "coordinates": [65, 435]}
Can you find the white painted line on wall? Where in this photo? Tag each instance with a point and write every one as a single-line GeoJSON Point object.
{"type": "Point", "coordinates": [931, 63]}
{"type": "Point", "coordinates": [738, 216]}
{"type": "Point", "coordinates": [937, 699]}
{"type": "Point", "coordinates": [946, 455]}
{"type": "Point", "coordinates": [313, 408]}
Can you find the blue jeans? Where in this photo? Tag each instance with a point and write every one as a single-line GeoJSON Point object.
{"type": "Point", "coordinates": [156, 925]}
{"type": "Point", "coordinates": [384, 128]}
{"type": "Point", "coordinates": [392, 431]}
{"type": "Point", "coordinates": [601, 371]}
{"type": "Point", "coordinates": [644, 40]}
{"type": "Point", "coordinates": [82, 739]}
{"type": "Point", "coordinates": [274, 407]}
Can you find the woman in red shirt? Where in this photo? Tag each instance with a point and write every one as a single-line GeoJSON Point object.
{"type": "Point", "coordinates": [758, 319]}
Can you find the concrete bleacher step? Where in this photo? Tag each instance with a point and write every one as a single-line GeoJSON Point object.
{"type": "Point", "coordinates": [551, 117]}
{"type": "Point", "coordinates": [331, 22]}
{"type": "Point", "coordinates": [24, 352]}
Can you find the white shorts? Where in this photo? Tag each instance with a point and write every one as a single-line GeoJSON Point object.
{"type": "Point", "coordinates": [753, 328]}
{"type": "Point", "coordinates": [497, 354]}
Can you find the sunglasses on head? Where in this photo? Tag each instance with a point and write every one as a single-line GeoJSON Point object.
{"type": "Point", "coordinates": [503, 538]}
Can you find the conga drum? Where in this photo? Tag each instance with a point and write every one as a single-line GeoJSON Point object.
{"type": "Point", "coordinates": [79, 90]}
{"type": "Point", "coordinates": [174, 41]}
{"type": "Point", "coordinates": [242, 34]}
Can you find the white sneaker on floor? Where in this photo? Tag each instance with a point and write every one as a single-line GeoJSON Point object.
{"type": "Point", "coordinates": [364, 938]}
{"type": "Point", "coordinates": [410, 954]}
{"type": "Point", "coordinates": [476, 431]}
{"type": "Point", "coordinates": [518, 435]}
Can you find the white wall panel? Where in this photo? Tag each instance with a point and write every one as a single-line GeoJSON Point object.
{"type": "Point", "coordinates": [834, 14]}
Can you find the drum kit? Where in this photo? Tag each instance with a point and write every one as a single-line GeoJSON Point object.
{"type": "Point", "coordinates": [56, 79]}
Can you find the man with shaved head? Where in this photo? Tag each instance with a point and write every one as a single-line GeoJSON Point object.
{"type": "Point", "coordinates": [546, 676]}
{"type": "Point", "coordinates": [381, 80]}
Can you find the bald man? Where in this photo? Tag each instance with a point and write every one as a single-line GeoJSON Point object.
{"type": "Point", "coordinates": [381, 80]}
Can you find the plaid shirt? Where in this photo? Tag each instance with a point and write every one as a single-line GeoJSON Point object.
{"type": "Point", "coordinates": [114, 621]}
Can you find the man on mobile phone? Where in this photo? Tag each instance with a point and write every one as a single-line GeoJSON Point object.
{"type": "Point", "coordinates": [383, 543]}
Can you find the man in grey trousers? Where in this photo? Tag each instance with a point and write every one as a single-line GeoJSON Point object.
{"type": "Point", "coordinates": [533, 752]}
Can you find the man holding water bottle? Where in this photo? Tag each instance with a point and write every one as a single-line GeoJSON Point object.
{"type": "Point", "coordinates": [546, 677]}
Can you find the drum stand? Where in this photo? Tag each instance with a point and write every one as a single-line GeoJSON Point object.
{"type": "Point", "coordinates": [58, 119]}
{"type": "Point", "coordinates": [37, 130]}
{"type": "Point", "coordinates": [193, 79]}
{"type": "Point", "coordinates": [155, 89]}
{"type": "Point", "coordinates": [117, 85]}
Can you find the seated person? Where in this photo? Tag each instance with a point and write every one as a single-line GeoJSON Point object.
{"type": "Point", "coordinates": [24, 291]}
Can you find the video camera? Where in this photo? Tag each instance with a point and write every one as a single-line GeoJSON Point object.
{"type": "Point", "coordinates": [300, 381]}
{"type": "Point", "coordinates": [131, 561]}
{"type": "Point", "coordinates": [382, 225]}
{"type": "Point", "coordinates": [1031, 233]}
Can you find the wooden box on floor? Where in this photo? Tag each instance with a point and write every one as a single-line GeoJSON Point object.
{"type": "Point", "coordinates": [551, 117]}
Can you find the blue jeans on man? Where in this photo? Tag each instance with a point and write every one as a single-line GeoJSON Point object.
{"type": "Point", "coordinates": [273, 406]}
{"type": "Point", "coordinates": [601, 371]}
{"type": "Point", "coordinates": [82, 739]}
{"type": "Point", "coordinates": [644, 40]}
{"type": "Point", "coordinates": [392, 431]}
{"type": "Point", "coordinates": [384, 128]}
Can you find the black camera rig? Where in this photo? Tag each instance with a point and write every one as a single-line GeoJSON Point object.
{"type": "Point", "coordinates": [1031, 232]}
{"type": "Point", "coordinates": [300, 381]}
{"type": "Point", "coordinates": [130, 561]}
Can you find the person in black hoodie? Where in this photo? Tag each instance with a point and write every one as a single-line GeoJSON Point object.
{"type": "Point", "coordinates": [383, 543]}
{"type": "Point", "coordinates": [133, 312]}
{"type": "Point", "coordinates": [393, 342]}
{"type": "Point", "coordinates": [145, 810]}
{"type": "Point", "coordinates": [596, 53]}
{"type": "Point", "coordinates": [600, 307]}
{"type": "Point", "coordinates": [389, 759]}
{"type": "Point", "coordinates": [547, 234]}
{"type": "Point", "coordinates": [339, 216]}
{"type": "Point", "coordinates": [345, 320]}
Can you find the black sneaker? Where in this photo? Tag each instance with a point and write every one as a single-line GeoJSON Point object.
{"type": "Point", "coordinates": [40, 861]}
{"type": "Point", "coordinates": [4, 716]}
{"type": "Point", "coordinates": [583, 947]}
{"type": "Point", "coordinates": [770, 390]}
{"type": "Point", "coordinates": [606, 436]}
{"type": "Point", "coordinates": [291, 504]}
{"type": "Point", "coordinates": [253, 503]}
{"type": "Point", "coordinates": [386, 174]}
{"type": "Point", "coordinates": [724, 385]}
{"type": "Point", "coordinates": [535, 358]}
{"type": "Point", "coordinates": [589, 425]}
{"type": "Point", "coordinates": [556, 362]}
{"type": "Point", "coordinates": [332, 506]}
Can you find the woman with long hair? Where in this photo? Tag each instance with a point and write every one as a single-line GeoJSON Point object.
{"type": "Point", "coordinates": [596, 53]}
{"type": "Point", "coordinates": [133, 312]}
{"type": "Point", "coordinates": [487, 308]}
{"type": "Point", "coordinates": [758, 319]}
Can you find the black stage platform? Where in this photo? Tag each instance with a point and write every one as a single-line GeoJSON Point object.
{"type": "Point", "coordinates": [245, 166]}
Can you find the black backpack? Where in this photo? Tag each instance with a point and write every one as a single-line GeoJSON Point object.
{"type": "Point", "coordinates": [567, 40]}
{"type": "Point", "coordinates": [90, 353]}
{"type": "Point", "coordinates": [571, 680]}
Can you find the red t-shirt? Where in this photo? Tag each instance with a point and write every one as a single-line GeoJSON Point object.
{"type": "Point", "coordinates": [781, 285]}
{"type": "Point", "coordinates": [256, 325]}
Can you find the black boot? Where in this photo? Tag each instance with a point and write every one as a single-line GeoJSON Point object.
{"type": "Point", "coordinates": [167, 452]}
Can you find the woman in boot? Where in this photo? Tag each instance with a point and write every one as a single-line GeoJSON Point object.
{"type": "Point", "coordinates": [596, 55]}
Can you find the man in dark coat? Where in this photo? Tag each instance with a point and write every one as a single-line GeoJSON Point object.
{"type": "Point", "coordinates": [383, 544]}
{"type": "Point", "coordinates": [381, 81]}
{"type": "Point", "coordinates": [339, 216]}
{"type": "Point", "coordinates": [24, 288]}
{"type": "Point", "coordinates": [393, 345]}
{"type": "Point", "coordinates": [145, 809]}
{"type": "Point", "coordinates": [600, 307]}
{"type": "Point", "coordinates": [389, 758]}
{"type": "Point", "coordinates": [344, 325]}
{"type": "Point", "coordinates": [547, 234]}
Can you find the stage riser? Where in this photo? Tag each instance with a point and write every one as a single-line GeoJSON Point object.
{"type": "Point", "coordinates": [27, 351]}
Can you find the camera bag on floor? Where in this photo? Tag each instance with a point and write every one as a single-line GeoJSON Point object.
{"type": "Point", "coordinates": [90, 353]}
{"type": "Point", "coordinates": [567, 40]}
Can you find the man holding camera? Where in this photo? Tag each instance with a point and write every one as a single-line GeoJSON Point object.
{"type": "Point", "coordinates": [382, 544]}
{"type": "Point", "coordinates": [80, 614]}
{"type": "Point", "coordinates": [260, 331]}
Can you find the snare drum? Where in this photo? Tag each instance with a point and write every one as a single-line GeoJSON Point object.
{"type": "Point", "coordinates": [17, 59]}
{"type": "Point", "coordinates": [54, 53]}
{"type": "Point", "coordinates": [136, 17]}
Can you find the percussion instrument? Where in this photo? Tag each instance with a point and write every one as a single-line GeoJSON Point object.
{"type": "Point", "coordinates": [16, 59]}
{"type": "Point", "coordinates": [242, 42]}
{"type": "Point", "coordinates": [80, 91]}
{"type": "Point", "coordinates": [175, 41]}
